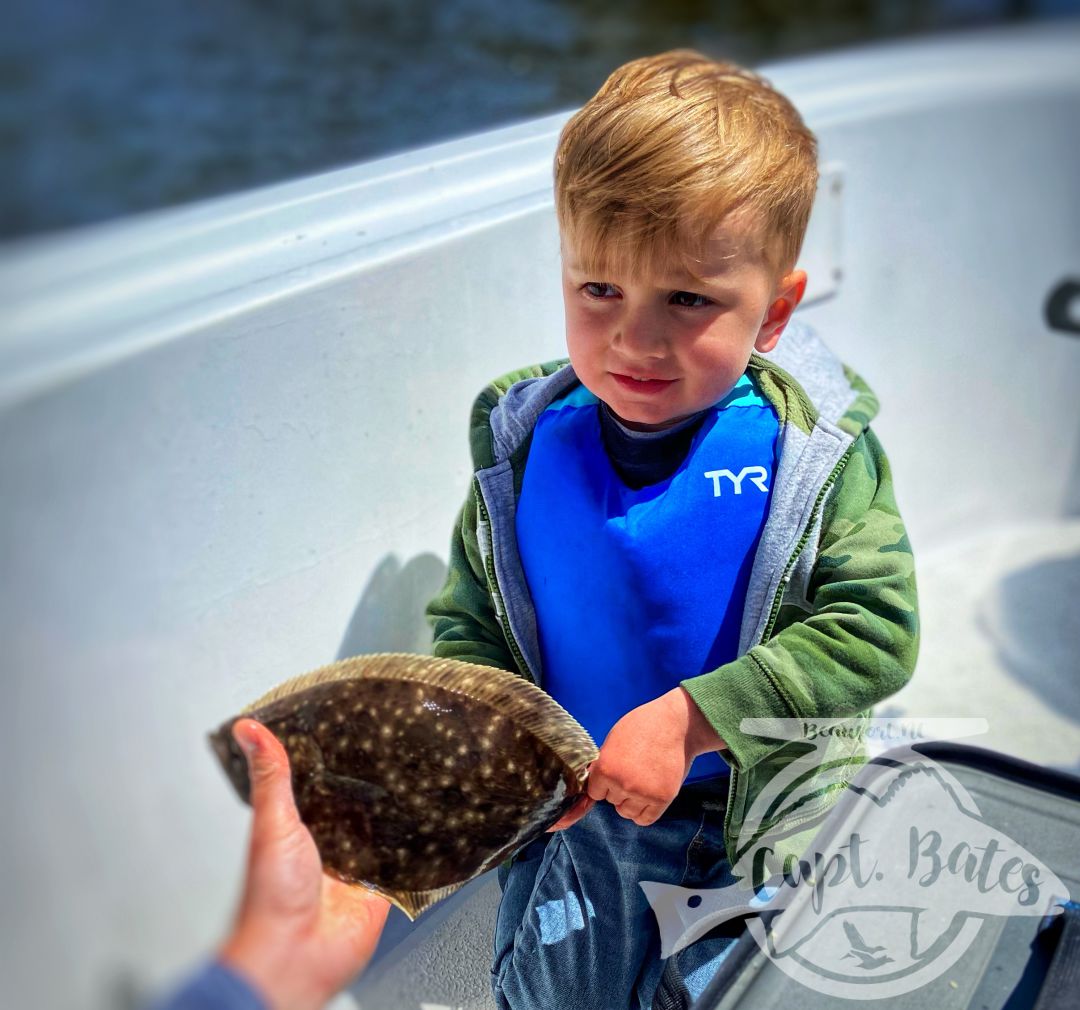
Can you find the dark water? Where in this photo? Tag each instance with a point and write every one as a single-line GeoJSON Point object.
{"type": "Point", "coordinates": [109, 107]}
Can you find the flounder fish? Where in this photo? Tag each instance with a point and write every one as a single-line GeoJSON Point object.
{"type": "Point", "coordinates": [415, 774]}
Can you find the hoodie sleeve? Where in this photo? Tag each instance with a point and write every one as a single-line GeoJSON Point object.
{"type": "Point", "coordinates": [859, 642]}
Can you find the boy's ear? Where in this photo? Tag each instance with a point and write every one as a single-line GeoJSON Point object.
{"type": "Point", "coordinates": [788, 294]}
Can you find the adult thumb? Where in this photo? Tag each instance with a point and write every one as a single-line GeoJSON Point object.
{"type": "Point", "coordinates": [283, 869]}
{"type": "Point", "coordinates": [271, 781]}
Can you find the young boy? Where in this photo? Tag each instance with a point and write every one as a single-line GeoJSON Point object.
{"type": "Point", "coordinates": [670, 532]}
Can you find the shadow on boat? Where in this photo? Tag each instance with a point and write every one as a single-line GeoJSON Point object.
{"type": "Point", "coordinates": [1030, 619]}
{"type": "Point", "coordinates": [390, 614]}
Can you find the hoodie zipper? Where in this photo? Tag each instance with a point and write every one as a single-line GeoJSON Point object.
{"type": "Point", "coordinates": [774, 610]}
{"type": "Point", "coordinates": [493, 584]}
{"type": "Point", "coordinates": [786, 577]}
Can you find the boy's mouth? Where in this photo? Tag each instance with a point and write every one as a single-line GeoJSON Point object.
{"type": "Point", "coordinates": [641, 384]}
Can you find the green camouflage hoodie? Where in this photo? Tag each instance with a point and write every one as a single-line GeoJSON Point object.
{"type": "Point", "coordinates": [830, 624]}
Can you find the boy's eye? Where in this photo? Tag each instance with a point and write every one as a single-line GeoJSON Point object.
{"type": "Point", "coordinates": [688, 300]}
{"type": "Point", "coordinates": [599, 289]}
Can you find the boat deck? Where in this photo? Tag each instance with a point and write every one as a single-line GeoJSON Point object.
{"type": "Point", "coordinates": [1001, 638]}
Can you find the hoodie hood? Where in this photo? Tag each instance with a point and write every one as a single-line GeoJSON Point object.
{"type": "Point", "coordinates": [835, 392]}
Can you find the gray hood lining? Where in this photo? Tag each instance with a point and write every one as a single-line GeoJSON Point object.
{"type": "Point", "coordinates": [805, 464]}
{"type": "Point", "coordinates": [805, 356]}
{"type": "Point", "coordinates": [513, 418]}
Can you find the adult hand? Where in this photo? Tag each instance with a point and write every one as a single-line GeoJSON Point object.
{"type": "Point", "coordinates": [300, 935]}
{"type": "Point", "coordinates": [645, 759]}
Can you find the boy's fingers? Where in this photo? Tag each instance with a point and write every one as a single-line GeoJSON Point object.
{"type": "Point", "coordinates": [632, 809]}
{"type": "Point", "coordinates": [600, 788]}
{"type": "Point", "coordinates": [583, 805]}
{"type": "Point", "coordinates": [649, 815]}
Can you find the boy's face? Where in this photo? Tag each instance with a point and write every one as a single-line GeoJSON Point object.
{"type": "Point", "coordinates": [689, 340]}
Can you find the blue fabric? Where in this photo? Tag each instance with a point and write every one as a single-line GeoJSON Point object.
{"type": "Point", "coordinates": [213, 987]}
{"type": "Point", "coordinates": [574, 930]}
{"type": "Point", "coordinates": [636, 590]}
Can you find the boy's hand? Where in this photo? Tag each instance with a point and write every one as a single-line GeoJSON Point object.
{"type": "Point", "coordinates": [646, 758]}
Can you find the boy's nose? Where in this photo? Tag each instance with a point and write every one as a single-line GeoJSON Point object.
{"type": "Point", "coordinates": [641, 335]}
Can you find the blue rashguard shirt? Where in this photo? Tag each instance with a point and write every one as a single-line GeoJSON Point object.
{"type": "Point", "coordinates": [636, 589]}
{"type": "Point", "coordinates": [213, 987]}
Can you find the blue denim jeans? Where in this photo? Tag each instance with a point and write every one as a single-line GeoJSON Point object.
{"type": "Point", "coordinates": [574, 929]}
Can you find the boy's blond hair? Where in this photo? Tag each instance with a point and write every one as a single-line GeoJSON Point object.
{"type": "Point", "coordinates": [666, 149]}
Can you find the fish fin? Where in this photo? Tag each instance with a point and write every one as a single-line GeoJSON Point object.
{"type": "Point", "coordinates": [511, 695]}
{"type": "Point", "coordinates": [413, 903]}
{"type": "Point", "coordinates": [359, 790]}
